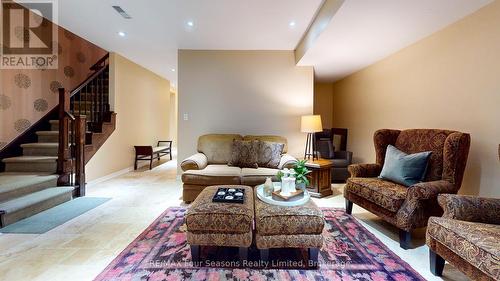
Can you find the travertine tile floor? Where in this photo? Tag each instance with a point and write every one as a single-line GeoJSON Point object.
{"type": "Point", "coordinates": [81, 248]}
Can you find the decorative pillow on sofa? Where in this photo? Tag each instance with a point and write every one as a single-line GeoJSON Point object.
{"type": "Point", "coordinates": [402, 168]}
{"type": "Point", "coordinates": [244, 154]}
{"type": "Point", "coordinates": [269, 154]}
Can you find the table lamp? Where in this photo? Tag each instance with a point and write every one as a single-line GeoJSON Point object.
{"type": "Point", "coordinates": [311, 124]}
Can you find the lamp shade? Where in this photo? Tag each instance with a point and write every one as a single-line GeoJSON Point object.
{"type": "Point", "coordinates": [311, 124]}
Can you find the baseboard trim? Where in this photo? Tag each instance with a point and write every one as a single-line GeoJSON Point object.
{"type": "Point", "coordinates": [110, 176]}
{"type": "Point", "coordinates": [119, 173]}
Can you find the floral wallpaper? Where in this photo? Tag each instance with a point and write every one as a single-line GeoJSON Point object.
{"type": "Point", "coordinates": [27, 95]}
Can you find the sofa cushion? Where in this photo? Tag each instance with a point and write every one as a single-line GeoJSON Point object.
{"type": "Point", "coordinates": [384, 193]}
{"type": "Point", "coordinates": [205, 216]}
{"type": "Point", "coordinates": [244, 154]}
{"type": "Point", "coordinates": [277, 139]}
{"type": "Point", "coordinates": [257, 176]}
{"type": "Point", "coordinates": [217, 147]}
{"type": "Point", "coordinates": [477, 243]}
{"type": "Point", "coordinates": [269, 154]}
{"type": "Point", "coordinates": [212, 175]}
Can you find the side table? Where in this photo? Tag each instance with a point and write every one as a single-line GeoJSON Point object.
{"type": "Point", "coordinates": [320, 178]}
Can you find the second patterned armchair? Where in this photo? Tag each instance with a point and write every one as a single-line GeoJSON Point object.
{"type": "Point", "coordinates": [409, 208]}
{"type": "Point", "coordinates": [467, 236]}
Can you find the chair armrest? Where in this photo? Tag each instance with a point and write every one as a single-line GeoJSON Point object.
{"type": "Point", "coordinates": [169, 143]}
{"type": "Point", "coordinates": [196, 162]}
{"type": "Point", "coordinates": [364, 170]}
{"type": "Point", "coordinates": [287, 161]}
{"type": "Point", "coordinates": [470, 208]}
{"type": "Point", "coordinates": [430, 189]}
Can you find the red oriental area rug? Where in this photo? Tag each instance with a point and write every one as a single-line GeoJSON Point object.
{"type": "Point", "coordinates": [350, 252]}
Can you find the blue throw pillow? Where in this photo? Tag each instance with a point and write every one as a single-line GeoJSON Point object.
{"type": "Point", "coordinates": [402, 168]}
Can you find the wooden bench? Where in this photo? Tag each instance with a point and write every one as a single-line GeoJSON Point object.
{"type": "Point", "coordinates": [147, 152]}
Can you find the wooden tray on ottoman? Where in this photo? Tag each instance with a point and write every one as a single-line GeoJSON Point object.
{"type": "Point", "coordinates": [289, 197]}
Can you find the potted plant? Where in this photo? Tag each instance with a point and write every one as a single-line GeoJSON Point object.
{"type": "Point", "coordinates": [301, 172]}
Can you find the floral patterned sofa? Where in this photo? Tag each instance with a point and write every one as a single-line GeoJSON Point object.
{"type": "Point", "coordinates": [409, 208]}
{"type": "Point", "coordinates": [467, 236]}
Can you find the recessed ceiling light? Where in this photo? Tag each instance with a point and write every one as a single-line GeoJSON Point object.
{"type": "Point", "coordinates": [173, 69]}
{"type": "Point", "coordinates": [292, 24]}
{"type": "Point", "coordinates": [190, 23]}
{"type": "Point", "coordinates": [121, 33]}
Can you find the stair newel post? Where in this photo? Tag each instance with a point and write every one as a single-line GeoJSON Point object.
{"type": "Point", "coordinates": [63, 166]}
{"type": "Point", "coordinates": [80, 129]}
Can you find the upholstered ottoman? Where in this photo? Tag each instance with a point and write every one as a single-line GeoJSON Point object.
{"type": "Point", "coordinates": [220, 224]}
{"type": "Point", "coordinates": [288, 227]}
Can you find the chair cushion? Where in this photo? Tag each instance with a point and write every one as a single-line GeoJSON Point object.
{"type": "Point", "coordinates": [384, 193]}
{"type": "Point", "coordinates": [277, 220]}
{"type": "Point", "coordinates": [269, 154]}
{"type": "Point", "coordinates": [244, 154]}
{"type": "Point", "coordinates": [205, 216]}
{"type": "Point", "coordinates": [477, 243]}
{"type": "Point", "coordinates": [403, 168]}
{"type": "Point", "coordinates": [212, 175]}
{"type": "Point", "coordinates": [257, 176]}
{"type": "Point", "coordinates": [340, 163]}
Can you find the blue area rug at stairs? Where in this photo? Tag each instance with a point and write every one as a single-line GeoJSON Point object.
{"type": "Point", "coordinates": [52, 218]}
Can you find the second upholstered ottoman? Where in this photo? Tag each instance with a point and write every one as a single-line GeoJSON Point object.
{"type": "Point", "coordinates": [289, 227]}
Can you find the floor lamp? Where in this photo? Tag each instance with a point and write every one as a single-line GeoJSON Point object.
{"type": "Point", "coordinates": [311, 124]}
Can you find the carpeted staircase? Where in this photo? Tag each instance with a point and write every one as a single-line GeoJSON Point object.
{"type": "Point", "coordinates": [29, 184]}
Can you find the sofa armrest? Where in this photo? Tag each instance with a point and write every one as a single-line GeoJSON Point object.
{"type": "Point", "coordinates": [364, 170]}
{"type": "Point", "coordinates": [196, 162]}
{"type": "Point", "coordinates": [470, 208]}
{"type": "Point", "coordinates": [287, 161]}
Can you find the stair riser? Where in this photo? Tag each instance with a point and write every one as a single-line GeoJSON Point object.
{"type": "Point", "coordinates": [49, 167]}
{"type": "Point", "coordinates": [27, 190]}
{"type": "Point", "coordinates": [48, 138]}
{"type": "Point", "coordinates": [54, 126]}
{"type": "Point", "coordinates": [35, 209]}
{"type": "Point", "coordinates": [40, 151]}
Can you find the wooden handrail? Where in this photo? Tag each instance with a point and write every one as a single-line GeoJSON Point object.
{"type": "Point", "coordinates": [87, 81]}
{"type": "Point", "coordinates": [71, 116]}
{"type": "Point", "coordinates": [99, 62]}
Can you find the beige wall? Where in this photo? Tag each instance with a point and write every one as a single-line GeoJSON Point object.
{"type": "Point", "coordinates": [448, 80]}
{"type": "Point", "coordinates": [173, 117]}
{"type": "Point", "coordinates": [323, 102]}
{"type": "Point", "coordinates": [246, 92]}
{"type": "Point", "coordinates": [142, 104]}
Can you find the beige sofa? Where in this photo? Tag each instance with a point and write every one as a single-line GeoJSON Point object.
{"type": "Point", "coordinates": [209, 165]}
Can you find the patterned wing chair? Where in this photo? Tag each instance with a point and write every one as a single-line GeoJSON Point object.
{"type": "Point", "coordinates": [467, 236]}
{"type": "Point", "coordinates": [409, 208]}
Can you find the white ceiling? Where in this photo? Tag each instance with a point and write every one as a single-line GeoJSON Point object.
{"type": "Point", "coordinates": [361, 33]}
{"type": "Point", "coordinates": [158, 27]}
